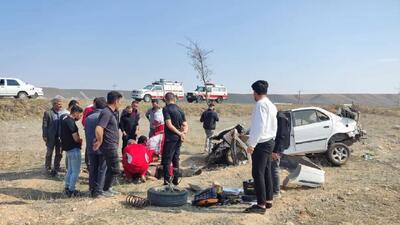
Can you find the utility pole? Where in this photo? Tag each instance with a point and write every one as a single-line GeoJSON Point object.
{"type": "Point", "coordinates": [299, 97]}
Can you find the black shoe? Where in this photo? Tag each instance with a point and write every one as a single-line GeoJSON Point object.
{"type": "Point", "coordinates": [75, 193]}
{"type": "Point", "coordinates": [268, 205]}
{"type": "Point", "coordinates": [66, 191]}
{"type": "Point", "coordinates": [255, 209]}
{"type": "Point", "coordinates": [175, 181]}
{"type": "Point", "coordinates": [96, 194]}
{"type": "Point", "coordinates": [53, 173]}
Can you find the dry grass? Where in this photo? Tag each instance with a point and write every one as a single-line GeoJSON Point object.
{"type": "Point", "coordinates": [361, 192]}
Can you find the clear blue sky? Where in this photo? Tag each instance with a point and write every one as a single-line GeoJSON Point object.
{"type": "Point", "coordinates": [327, 46]}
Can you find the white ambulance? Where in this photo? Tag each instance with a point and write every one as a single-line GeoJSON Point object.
{"type": "Point", "coordinates": [215, 92]}
{"type": "Point", "coordinates": [158, 89]}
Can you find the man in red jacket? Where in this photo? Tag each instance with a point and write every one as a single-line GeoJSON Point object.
{"type": "Point", "coordinates": [87, 111]}
{"type": "Point", "coordinates": [137, 158]}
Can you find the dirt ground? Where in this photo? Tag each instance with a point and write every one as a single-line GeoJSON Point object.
{"type": "Point", "coordinates": [360, 192]}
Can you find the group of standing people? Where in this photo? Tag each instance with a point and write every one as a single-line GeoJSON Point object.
{"type": "Point", "coordinates": [102, 124]}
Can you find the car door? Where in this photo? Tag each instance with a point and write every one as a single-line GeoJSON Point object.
{"type": "Point", "coordinates": [312, 129]}
{"type": "Point", "coordinates": [13, 87]}
{"type": "Point", "coordinates": [3, 91]}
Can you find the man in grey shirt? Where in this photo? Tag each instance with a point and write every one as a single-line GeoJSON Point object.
{"type": "Point", "coordinates": [107, 139]}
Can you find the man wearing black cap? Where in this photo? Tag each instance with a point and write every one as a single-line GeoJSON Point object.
{"type": "Point", "coordinates": [261, 144]}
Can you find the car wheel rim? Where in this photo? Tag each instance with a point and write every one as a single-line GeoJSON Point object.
{"type": "Point", "coordinates": [340, 154]}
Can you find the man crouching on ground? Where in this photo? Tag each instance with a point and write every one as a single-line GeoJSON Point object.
{"type": "Point", "coordinates": [137, 158]}
{"type": "Point", "coordinates": [176, 129]}
{"type": "Point", "coordinates": [261, 143]}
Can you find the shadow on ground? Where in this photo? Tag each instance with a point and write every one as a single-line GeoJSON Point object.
{"type": "Point", "coordinates": [31, 194]}
{"type": "Point", "coordinates": [36, 173]}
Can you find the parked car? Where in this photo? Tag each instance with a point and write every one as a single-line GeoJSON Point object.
{"type": "Point", "coordinates": [158, 89]}
{"type": "Point", "coordinates": [315, 130]}
{"type": "Point", "coordinates": [215, 92]}
{"type": "Point", "coordinates": [13, 87]}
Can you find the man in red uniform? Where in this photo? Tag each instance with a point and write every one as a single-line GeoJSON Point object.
{"type": "Point", "coordinates": [137, 158]}
{"type": "Point", "coordinates": [87, 111]}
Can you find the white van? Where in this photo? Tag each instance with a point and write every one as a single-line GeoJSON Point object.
{"type": "Point", "coordinates": [158, 89]}
{"type": "Point", "coordinates": [13, 87]}
{"type": "Point", "coordinates": [215, 92]}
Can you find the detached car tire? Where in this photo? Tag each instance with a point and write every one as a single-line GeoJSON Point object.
{"type": "Point", "coordinates": [163, 197]}
{"type": "Point", "coordinates": [338, 154]}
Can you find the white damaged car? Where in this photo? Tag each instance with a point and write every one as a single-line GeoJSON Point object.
{"type": "Point", "coordinates": [315, 130]}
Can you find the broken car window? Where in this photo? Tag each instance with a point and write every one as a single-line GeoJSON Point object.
{"type": "Point", "coordinates": [322, 117]}
{"type": "Point", "coordinates": [305, 117]}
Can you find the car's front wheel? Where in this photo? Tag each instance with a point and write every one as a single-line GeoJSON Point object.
{"type": "Point", "coordinates": [22, 95]}
{"type": "Point", "coordinates": [338, 154]}
{"type": "Point", "coordinates": [147, 98]}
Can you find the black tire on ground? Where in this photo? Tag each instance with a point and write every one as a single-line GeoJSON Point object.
{"type": "Point", "coordinates": [161, 196]}
{"type": "Point", "coordinates": [219, 100]}
{"type": "Point", "coordinates": [22, 95]}
{"type": "Point", "coordinates": [147, 98]}
{"type": "Point", "coordinates": [338, 154]}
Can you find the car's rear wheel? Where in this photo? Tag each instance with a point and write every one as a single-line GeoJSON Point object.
{"type": "Point", "coordinates": [199, 99]}
{"type": "Point", "coordinates": [22, 95]}
{"type": "Point", "coordinates": [147, 98]}
{"type": "Point", "coordinates": [220, 100]}
{"type": "Point", "coordinates": [338, 154]}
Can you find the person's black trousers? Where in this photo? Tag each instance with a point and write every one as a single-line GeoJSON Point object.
{"type": "Point", "coordinates": [261, 171]}
{"type": "Point", "coordinates": [171, 153]}
{"type": "Point", "coordinates": [113, 170]}
{"type": "Point", "coordinates": [87, 158]}
{"type": "Point", "coordinates": [57, 158]}
{"type": "Point", "coordinates": [97, 172]}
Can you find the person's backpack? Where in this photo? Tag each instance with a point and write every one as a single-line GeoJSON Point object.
{"type": "Point", "coordinates": [282, 140]}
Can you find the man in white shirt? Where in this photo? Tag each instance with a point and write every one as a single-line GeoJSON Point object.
{"type": "Point", "coordinates": [261, 142]}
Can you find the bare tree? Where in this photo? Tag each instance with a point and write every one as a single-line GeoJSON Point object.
{"type": "Point", "coordinates": [199, 57]}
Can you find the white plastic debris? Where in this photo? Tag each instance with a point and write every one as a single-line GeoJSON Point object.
{"type": "Point", "coordinates": [305, 176]}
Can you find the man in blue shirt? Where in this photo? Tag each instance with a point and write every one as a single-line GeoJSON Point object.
{"type": "Point", "coordinates": [97, 166]}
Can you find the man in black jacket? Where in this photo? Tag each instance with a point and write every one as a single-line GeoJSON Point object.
{"type": "Point", "coordinates": [282, 141]}
{"type": "Point", "coordinates": [209, 118]}
{"type": "Point", "coordinates": [129, 126]}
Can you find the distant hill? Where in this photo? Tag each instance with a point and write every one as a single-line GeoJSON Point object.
{"type": "Point", "coordinates": [387, 100]}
